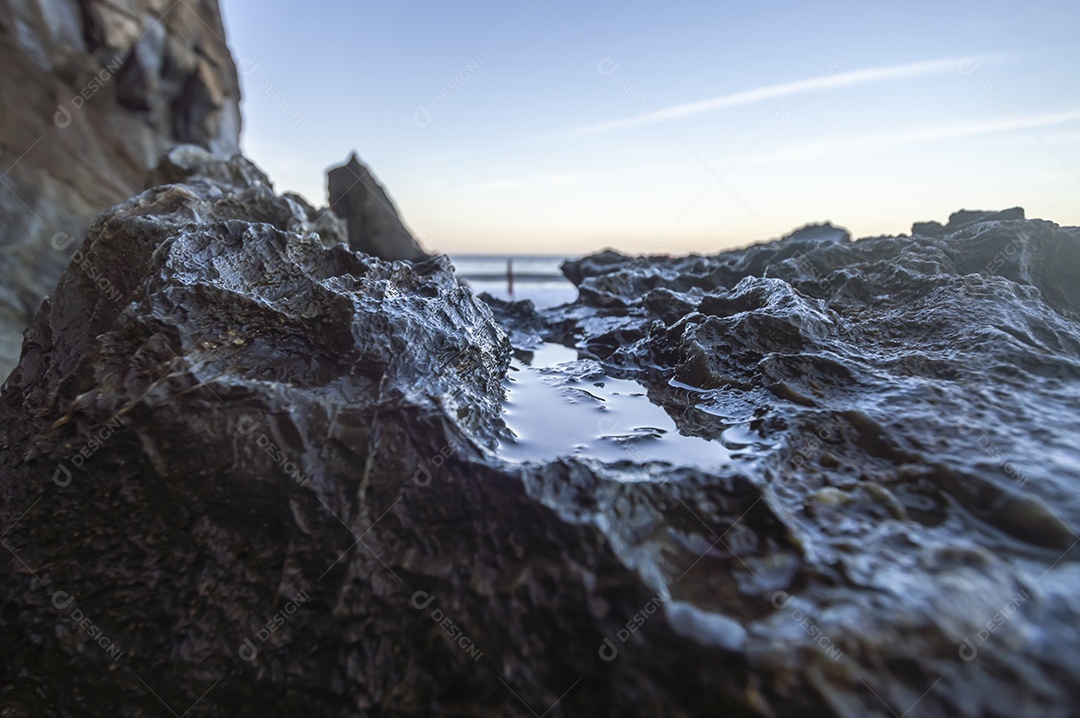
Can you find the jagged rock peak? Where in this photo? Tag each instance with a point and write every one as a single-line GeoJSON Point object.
{"type": "Point", "coordinates": [375, 227]}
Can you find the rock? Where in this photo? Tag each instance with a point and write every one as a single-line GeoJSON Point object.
{"type": "Point", "coordinates": [280, 340]}
{"type": "Point", "coordinates": [291, 212]}
{"type": "Point", "coordinates": [964, 218]}
{"type": "Point", "coordinates": [246, 470]}
{"type": "Point", "coordinates": [908, 406]}
{"type": "Point", "coordinates": [104, 88]}
{"type": "Point", "coordinates": [374, 225]}
{"type": "Point", "coordinates": [193, 163]}
{"type": "Point", "coordinates": [277, 456]}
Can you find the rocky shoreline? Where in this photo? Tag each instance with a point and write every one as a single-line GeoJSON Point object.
{"type": "Point", "coordinates": [268, 472]}
{"type": "Point", "coordinates": [260, 459]}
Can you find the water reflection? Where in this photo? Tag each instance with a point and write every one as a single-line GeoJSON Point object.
{"type": "Point", "coordinates": [559, 405]}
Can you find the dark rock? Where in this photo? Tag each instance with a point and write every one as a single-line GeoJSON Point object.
{"type": "Point", "coordinates": [95, 92]}
{"type": "Point", "coordinates": [965, 218]}
{"type": "Point", "coordinates": [339, 361]}
{"type": "Point", "coordinates": [247, 471]}
{"type": "Point", "coordinates": [374, 225]}
{"type": "Point", "coordinates": [912, 404]}
{"type": "Point", "coordinates": [259, 469]}
{"type": "Point", "coordinates": [249, 192]}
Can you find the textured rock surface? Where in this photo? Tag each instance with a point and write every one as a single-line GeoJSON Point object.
{"type": "Point", "coordinates": [374, 224]}
{"type": "Point", "coordinates": [912, 403]}
{"type": "Point", "coordinates": [249, 471]}
{"type": "Point", "coordinates": [94, 92]}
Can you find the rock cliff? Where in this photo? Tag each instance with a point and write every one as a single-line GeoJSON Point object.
{"type": "Point", "coordinates": [94, 92]}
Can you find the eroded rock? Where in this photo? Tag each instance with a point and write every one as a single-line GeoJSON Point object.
{"type": "Point", "coordinates": [374, 225]}
{"type": "Point", "coordinates": [245, 469]}
{"type": "Point", "coordinates": [911, 406]}
{"type": "Point", "coordinates": [261, 469]}
{"type": "Point", "coordinates": [96, 91]}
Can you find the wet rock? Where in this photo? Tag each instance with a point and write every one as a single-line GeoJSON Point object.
{"type": "Point", "coordinates": [246, 193]}
{"type": "Point", "coordinates": [914, 405]}
{"type": "Point", "coordinates": [965, 218]}
{"type": "Point", "coordinates": [255, 472]}
{"type": "Point", "coordinates": [374, 225]}
{"type": "Point", "coordinates": [246, 469]}
{"type": "Point", "coordinates": [96, 91]}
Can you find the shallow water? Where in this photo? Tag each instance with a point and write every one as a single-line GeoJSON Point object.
{"type": "Point", "coordinates": [558, 405]}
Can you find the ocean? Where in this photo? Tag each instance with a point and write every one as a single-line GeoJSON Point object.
{"type": "Point", "coordinates": [535, 277]}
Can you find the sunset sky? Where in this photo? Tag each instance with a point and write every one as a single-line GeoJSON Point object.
{"type": "Point", "coordinates": [546, 126]}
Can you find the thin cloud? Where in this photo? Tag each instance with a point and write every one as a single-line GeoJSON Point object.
{"type": "Point", "coordinates": [770, 92]}
{"type": "Point", "coordinates": [807, 152]}
{"type": "Point", "coordinates": [870, 143]}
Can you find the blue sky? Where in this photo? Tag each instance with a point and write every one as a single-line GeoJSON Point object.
{"type": "Point", "coordinates": [547, 126]}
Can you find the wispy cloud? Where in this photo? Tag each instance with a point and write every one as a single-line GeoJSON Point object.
{"type": "Point", "coordinates": [874, 142]}
{"type": "Point", "coordinates": [805, 152]}
{"type": "Point", "coordinates": [769, 92]}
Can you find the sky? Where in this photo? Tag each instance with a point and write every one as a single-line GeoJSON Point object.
{"type": "Point", "coordinates": [560, 127]}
